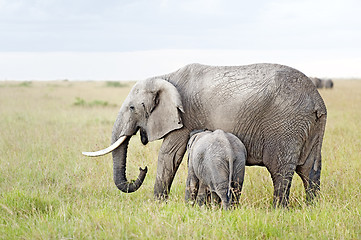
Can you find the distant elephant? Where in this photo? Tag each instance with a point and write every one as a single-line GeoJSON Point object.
{"type": "Point", "coordinates": [322, 83]}
{"type": "Point", "coordinates": [328, 83]}
{"type": "Point", "coordinates": [318, 82]}
{"type": "Point", "coordinates": [216, 163]}
{"type": "Point", "coordinates": [275, 110]}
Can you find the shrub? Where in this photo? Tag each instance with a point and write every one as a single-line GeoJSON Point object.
{"type": "Point", "coordinates": [79, 102]}
{"type": "Point", "coordinates": [25, 84]}
{"type": "Point", "coordinates": [100, 103]}
{"type": "Point", "coordinates": [116, 84]}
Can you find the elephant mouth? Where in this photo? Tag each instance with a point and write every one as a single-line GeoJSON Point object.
{"type": "Point", "coordinates": [143, 136]}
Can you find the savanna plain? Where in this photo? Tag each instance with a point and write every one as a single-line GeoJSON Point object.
{"type": "Point", "coordinates": [49, 190]}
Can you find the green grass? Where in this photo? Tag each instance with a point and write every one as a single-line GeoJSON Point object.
{"type": "Point", "coordinates": [48, 190]}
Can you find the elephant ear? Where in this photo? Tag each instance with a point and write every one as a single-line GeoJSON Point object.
{"type": "Point", "coordinates": [165, 113]}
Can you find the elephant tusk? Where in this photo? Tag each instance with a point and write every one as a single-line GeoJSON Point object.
{"type": "Point", "coordinates": [106, 150]}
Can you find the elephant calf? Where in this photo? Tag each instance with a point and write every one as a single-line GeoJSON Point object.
{"type": "Point", "coordinates": [216, 163]}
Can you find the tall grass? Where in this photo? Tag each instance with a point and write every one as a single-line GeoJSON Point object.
{"type": "Point", "coordinates": [48, 190]}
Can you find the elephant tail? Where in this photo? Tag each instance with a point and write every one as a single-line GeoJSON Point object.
{"type": "Point", "coordinates": [229, 191]}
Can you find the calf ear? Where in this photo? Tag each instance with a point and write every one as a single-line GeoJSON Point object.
{"type": "Point", "coordinates": [191, 141]}
{"type": "Point", "coordinates": [165, 115]}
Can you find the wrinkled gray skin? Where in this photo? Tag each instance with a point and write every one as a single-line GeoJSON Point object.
{"type": "Point", "coordinates": [216, 163]}
{"type": "Point", "coordinates": [275, 110]}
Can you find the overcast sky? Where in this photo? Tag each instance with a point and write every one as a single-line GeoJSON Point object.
{"type": "Point", "coordinates": [133, 39]}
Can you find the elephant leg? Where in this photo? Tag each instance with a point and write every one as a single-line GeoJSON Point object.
{"type": "Point", "coordinates": [236, 191]}
{"type": "Point", "coordinates": [202, 194]}
{"type": "Point", "coordinates": [281, 162]}
{"type": "Point", "coordinates": [282, 180]}
{"type": "Point", "coordinates": [310, 173]}
{"type": "Point", "coordinates": [191, 187]}
{"type": "Point", "coordinates": [310, 170]}
{"type": "Point", "coordinates": [223, 194]}
{"type": "Point", "coordinates": [215, 198]}
{"type": "Point", "coordinates": [281, 167]}
{"type": "Point", "coordinates": [170, 157]}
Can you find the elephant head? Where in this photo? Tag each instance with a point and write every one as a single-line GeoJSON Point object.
{"type": "Point", "coordinates": [153, 106]}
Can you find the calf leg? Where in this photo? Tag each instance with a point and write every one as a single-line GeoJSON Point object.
{"type": "Point", "coordinates": [202, 194]}
{"type": "Point", "coordinates": [192, 186]}
{"type": "Point", "coordinates": [215, 198]}
{"type": "Point", "coordinates": [225, 199]}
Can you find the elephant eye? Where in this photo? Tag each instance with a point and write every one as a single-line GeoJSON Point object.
{"type": "Point", "coordinates": [131, 108]}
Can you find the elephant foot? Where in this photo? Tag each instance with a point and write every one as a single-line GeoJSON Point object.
{"type": "Point", "coordinates": [160, 194]}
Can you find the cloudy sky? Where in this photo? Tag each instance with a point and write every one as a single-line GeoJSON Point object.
{"type": "Point", "coordinates": [135, 39]}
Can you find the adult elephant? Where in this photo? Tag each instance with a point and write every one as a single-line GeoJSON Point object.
{"type": "Point", "coordinates": [275, 110]}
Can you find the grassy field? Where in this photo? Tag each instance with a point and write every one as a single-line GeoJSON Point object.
{"type": "Point", "coordinates": [48, 190]}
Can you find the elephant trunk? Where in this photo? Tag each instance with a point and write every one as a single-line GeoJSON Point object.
{"type": "Point", "coordinates": [119, 167]}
